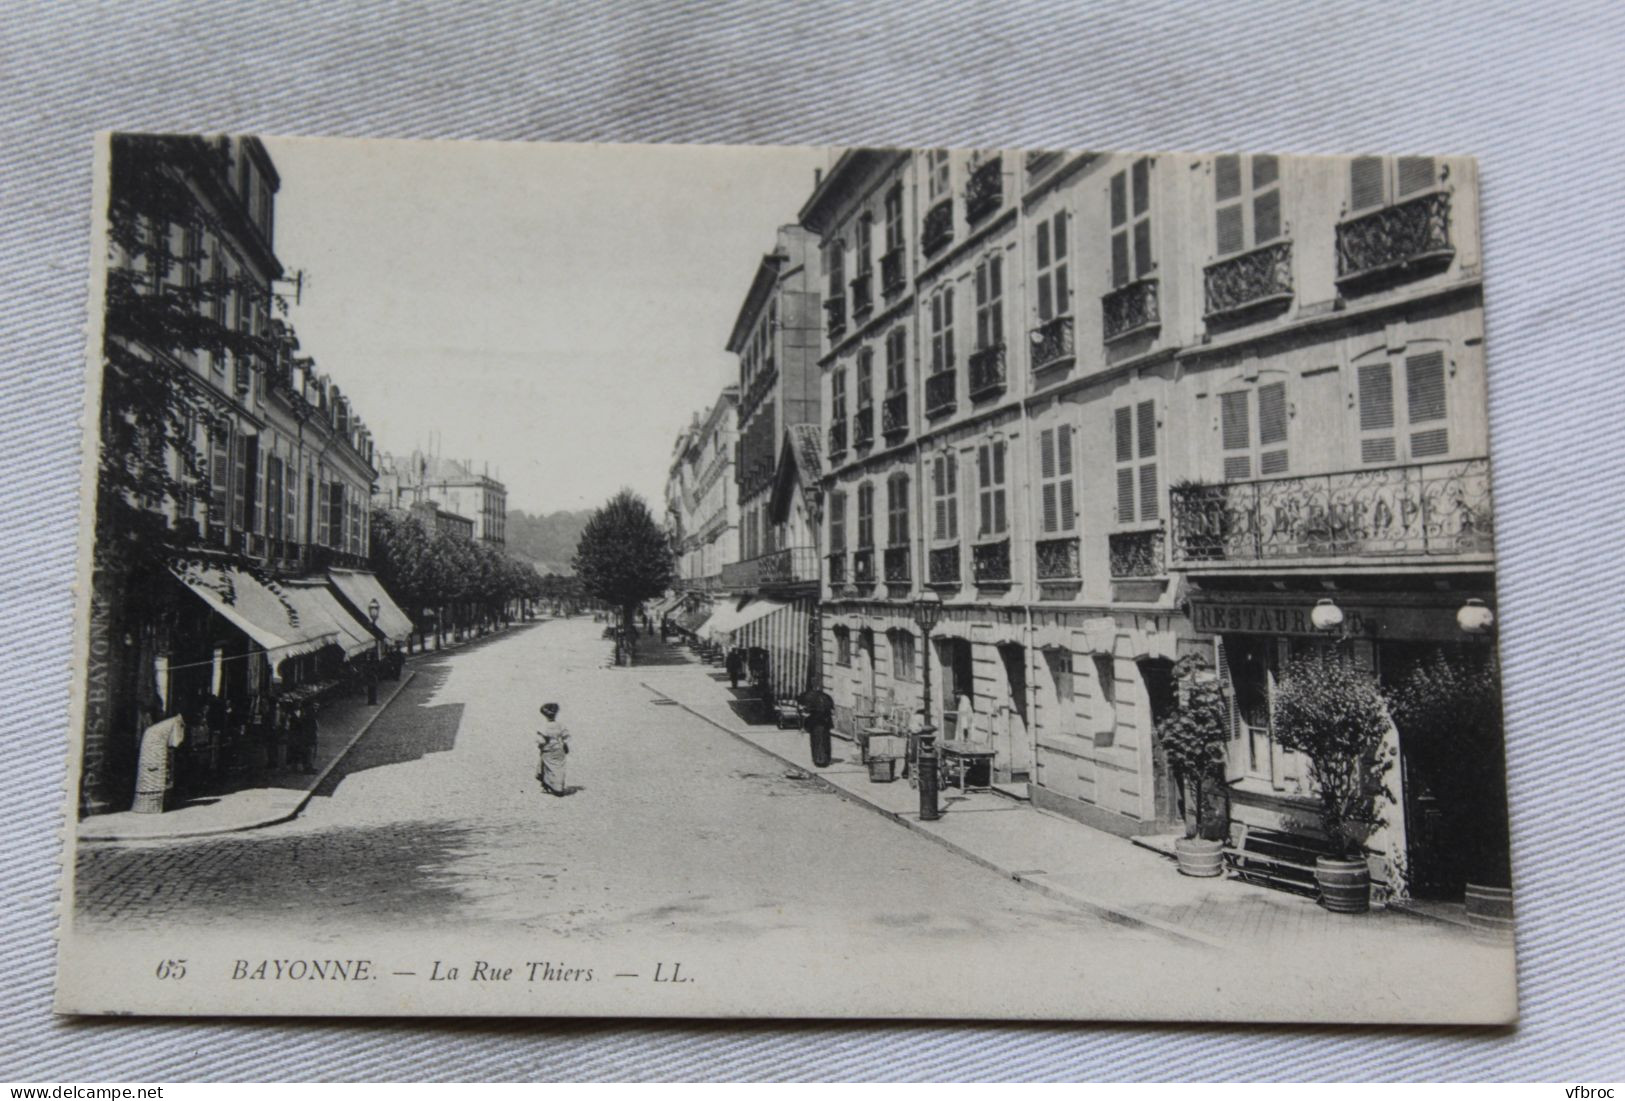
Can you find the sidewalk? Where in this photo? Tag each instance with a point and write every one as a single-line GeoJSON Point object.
{"type": "Point", "coordinates": [279, 794]}
{"type": "Point", "coordinates": [1066, 860]}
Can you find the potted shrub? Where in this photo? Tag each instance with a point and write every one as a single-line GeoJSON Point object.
{"type": "Point", "coordinates": [1193, 737]}
{"type": "Point", "coordinates": [1329, 709]}
{"type": "Point", "coordinates": [1448, 711]}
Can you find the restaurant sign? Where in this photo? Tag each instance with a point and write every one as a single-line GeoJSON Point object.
{"type": "Point", "coordinates": [1270, 619]}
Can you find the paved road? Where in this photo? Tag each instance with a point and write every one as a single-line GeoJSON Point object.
{"type": "Point", "coordinates": [434, 821]}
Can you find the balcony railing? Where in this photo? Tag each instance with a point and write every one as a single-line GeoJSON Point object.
{"type": "Point", "coordinates": [896, 565]}
{"type": "Point", "coordinates": [984, 191]}
{"type": "Point", "coordinates": [835, 317]}
{"type": "Point", "coordinates": [1395, 240]}
{"type": "Point", "coordinates": [863, 566]}
{"type": "Point", "coordinates": [1131, 308]}
{"type": "Point", "coordinates": [785, 566]}
{"type": "Point", "coordinates": [894, 414]}
{"type": "Point", "coordinates": [863, 426]}
{"type": "Point", "coordinates": [943, 567]}
{"type": "Point", "coordinates": [941, 389]}
{"type": "Point", "coordinates": [891, 272]}
{"type": "Point", "coordinates": [1052, 343]}
{"type": "Point", "coordinates": [990, 562]}
{"type": "Point", "coordinates": [1058, 559]}
{"type": "Point", "coordinates": [938, 229]}
{"type": "Point", "coordinates": [1422, 510]}
{"type": "Point", "coordinates": [1254, 280]}
{"type": "Point", "coordinates": [837, 438]}
{"type": "Point", "coordinates": [837, 568]}
{"type": "Point", "coordinates": [1136, 553]}
{"type": "Point", "coordinates": [987, 370]}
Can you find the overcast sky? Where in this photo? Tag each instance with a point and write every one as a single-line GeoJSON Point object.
{"type": "Point", "coordinates": [556, 311]}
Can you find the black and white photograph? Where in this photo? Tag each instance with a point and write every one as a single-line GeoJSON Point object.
{"type": "Point", "coordinates": [565, 580]}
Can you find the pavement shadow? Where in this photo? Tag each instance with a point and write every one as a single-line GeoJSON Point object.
{"type": "Point", "coordinates": [410, 731]}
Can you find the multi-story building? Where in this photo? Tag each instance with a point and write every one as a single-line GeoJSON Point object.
{"type": "Point", "coordinates": [285, 473]}
{"type": "Point", "coordinates": [449, 483]}
{"type": "Point", "coordinates": [776, 339]}
{"type": "Point", "coordinates": [702, 508]}
{"type": "Point", "coordinates": [1165, 405]}
{"type": "Point", "coordinates": [440, 520]}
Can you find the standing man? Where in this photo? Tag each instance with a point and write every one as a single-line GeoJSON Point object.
{"type": "Point", "coordinates": [735, 665]}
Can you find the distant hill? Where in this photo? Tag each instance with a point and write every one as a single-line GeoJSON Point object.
{"type": "Point", "coordinates": [549, 541]}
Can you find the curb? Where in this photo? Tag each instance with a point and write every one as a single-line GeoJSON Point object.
{"type": "Point", "coordinates": [281, 816]}
{"type": "Point", "coordinates": [1114, 914]}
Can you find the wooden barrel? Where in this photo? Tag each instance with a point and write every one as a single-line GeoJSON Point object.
{"type": "Point", "coordinates": [1345, 885]}
{"type": "Point", "coordinates": [1489, 910]}
{"type": "Point", "coordinates": [1200, 858]}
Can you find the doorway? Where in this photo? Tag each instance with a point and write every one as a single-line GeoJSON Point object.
{"type": "Point", "coordinates": [1157, 674]}
{"type": "Point", "coordinates": [1014, 760]}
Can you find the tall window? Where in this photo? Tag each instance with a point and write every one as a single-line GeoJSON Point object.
{"type": "Point", "coordinates": [1247, 198]}
{"type": "Point", "coordinates": [897, 360]}
{"type": "Point", "coordinates": [990, 302]}
{"type": "Point", "coordinates": [220, 468]}
{"type": "Point", "coordinates": [902, 654]}
{"type": "Point", "coordinates": [1134, 428]}
{"type": "Point", "coordinates": [1420, 406]}
{"type": "Point", "coordinates": [1060, 671]}
{"type": "Point", "coordinates": [837, 394]}
{"type": "Point", "coordinates": [1247, 448]}
{"type": "Point", "coordinates": [837, 523]}
{"type": "Point", "coordinates": [897, 529]}
{"type": "Point", "coordinates": [1055, 480]}
{"type": "Point", "coordinates": [991, 517]}
{"type": "Point", "coordinates": [942, 328]}
{"type": "Point", "coordinates": [835, 265]}
{"type": "Point", "coordinates": [937, 174]}
{"type": "Point", "coordinates": [843, 646]}
{"type": "Point", "coordinates": [945, 497]}
{"type": "Point", "coordinates": [1378, 181]}
{"type": "Point", "coordinates": [866, 379]}
{"type": "Point", "coordinates": [1054, 289]}
{"type": "Point", "coordinates": [769, 332]}
{"type": "Point", "coordinates": [866, 515]}
{"type": "Point", "coordinates": [894, 219]}
{"type": "Point", "coordinates": [866, 233]}
{"type": "Point", "coordinates": [1131, 223]}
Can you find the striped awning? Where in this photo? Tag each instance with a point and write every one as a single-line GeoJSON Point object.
{"type": "Point", "coordinates": [265, 613]}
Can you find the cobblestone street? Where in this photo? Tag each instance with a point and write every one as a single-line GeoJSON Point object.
{"type": "Point", "coordinates": [434, 820]}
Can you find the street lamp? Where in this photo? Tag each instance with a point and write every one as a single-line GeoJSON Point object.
{"type": "Point", "coordinates": [1475, 617]}
{"type": "Point", "coordinates": [1326, 616]}
{"type": "Point", "coordinates": [373, 608]}
{"type": "Point", "coordinates": [927, 611]}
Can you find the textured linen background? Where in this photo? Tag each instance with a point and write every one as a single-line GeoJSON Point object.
{"type": "Point", "coordinates": [1534, 90]}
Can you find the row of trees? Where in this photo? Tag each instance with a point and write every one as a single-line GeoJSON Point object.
{"type": "Point", "coordinates": [464, 583]}
{"type": "Point", "coordinates": [625, 557]}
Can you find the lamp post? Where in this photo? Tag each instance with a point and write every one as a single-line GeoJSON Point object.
{"type": "Point", "coordinates": [1475, 617]}
{"type": "Point", "coordinates": [373, 608]}
{"type": "Point", "coordinates": [927, 610]}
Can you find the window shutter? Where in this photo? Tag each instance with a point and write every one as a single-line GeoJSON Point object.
{"type": "Point", "coordinates": [1124, 431]}
{"type": "Point", "coordinates": [1365, 183]}
{"type": "Point", "coordinates": [1377, 412]}
{"type": "Point", "coordinates": [1119, 200]}
{"type": "Point", "coordinates": [1142, 186]}
{"type": "Point", "coordinates": [1266, 217]}
{"type": "Point", "coordinates": [1233, 420]}
{"type": "Point", "coordinates": [1046, 308]}
{"type": "Point", "coordinates": [948, 326]}
{"type": "Point", "coordinates": [1147, 416]}
{"type": "Point", "coordinates": [1230, 236]}
{"type": "Point", "coordinates": [1226, 177]}
{"type": "Point", "coordinates": [1046, 473]}
{"type": "Point", "coordinates": [1150, 507]}
{"type": "Point", "coordinates": [1125, 495]}
{"type": "Point", "coordinates": [239, 483]}
{"type": "Point", "coordinates": [953, 497]}
{"type": "Point", "coordinates": [1059, 236]}
{"type": "Point", "coordinates": [1415, 174]}
{"type": "Point", "coordinates": [1424, 387]}
{"type": "Point", "coordinates": [290, 530]}
{"type": "Point", "coordinates": [1266, 170]}
{"type": "Point", "coordinates": [1043, 244]}
{"type": "Point", "coordinates": [1142, 249]}
{"type": "Point", "coordinates": [1272, 430]}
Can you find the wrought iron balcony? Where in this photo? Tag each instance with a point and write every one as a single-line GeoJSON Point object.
{"type": "Point", "coordinates": [894, 414]}
{"type": "Point", "coordinates": [897, 565]}
{"type": "Point", "coordinates": [944, 565]}
{"type": "Point", "coordinates": [940, 391]}
{"type": "Point", "coordinates": [835, 316]}
{"type": "Point", "coordinates": [1058, 559]}
{"type": "Point", "coordinates": [1052, 343]}
{"type": "Point", "coordinates": [1251, 281]}
{"type": "Point", "coordinates": [938, 229]}
{"type": "Point", "coordinates": [785, 566]}
{"type": "Point", "coordinates": [1131, 308]}
{"type": "Point", "coordinates": [863, 426]}
{"type": "Point", "coordinates": [837, 568]}
{"type": "Point", "coordinates": [1421, 510]}
{"type": "Point", "coordinates": [1396, 240]}
{"type": "Point", "coordinates": [837, 438]}
{"type": "Point", "coordinates": [990, 562]}
{"type": "Point", "coordinates": [984, 191]}
{"type": "Point", "coordinates": [891, 273]}
{"type": "Point", "coordinates": [1136, 553]}
{"type": "Point", "coordinates": [987, 370]}
{"type": "Point", "coordinates": [863, 295]}
{"type": "Point", "coordinates": [863, 566]}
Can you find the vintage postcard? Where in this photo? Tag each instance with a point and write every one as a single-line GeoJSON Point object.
{"type": "Point", "coordinates": [525, 579]}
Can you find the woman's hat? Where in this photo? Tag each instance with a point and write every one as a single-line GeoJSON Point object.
{"type": "Point", "coordinates": [550, 709]}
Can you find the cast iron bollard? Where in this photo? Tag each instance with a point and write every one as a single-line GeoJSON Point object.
{"type": "Point", "coordinates": [926, 762]}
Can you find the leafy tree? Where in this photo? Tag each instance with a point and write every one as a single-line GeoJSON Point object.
{"type": "Point", "coordinates": [624, 557]}
{"type": "Point", "coordinates": [1329, 708]}
{"type": "Point", "coordinates": [1448, 711]}
{"type": "Point", "coordinates": [1193, 738]}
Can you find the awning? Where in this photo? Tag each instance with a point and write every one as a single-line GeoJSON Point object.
{"type": "Point", "coordinates": [361, 589]}
{"type": "Point", "coordinates": [316, 604]}
{"type": "Point", "coordinates": [733, 619]}
{"type": "Point", "coordinates": [664, 607]}
{"type": "Point", "coordinates": [694, 620]}
{"type": "Point", "coordinates": [265, 615]}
